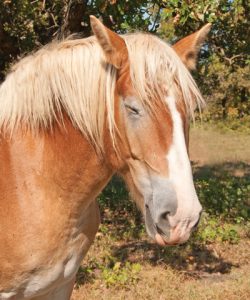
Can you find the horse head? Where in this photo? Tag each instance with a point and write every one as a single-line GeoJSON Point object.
{"type": "Point", "coordinates": [154, 98]}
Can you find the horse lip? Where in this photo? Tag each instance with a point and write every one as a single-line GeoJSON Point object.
{"type": "Point", "coordinates": [164, 234]}
{"type": "Point", "coordinates": [173, 239]}
{"type": "Point", "coordinates": [162, 242]}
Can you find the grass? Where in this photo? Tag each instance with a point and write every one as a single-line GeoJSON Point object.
{"type": "Point", "coordinates": [210, 145]}
{"type": "Point", "coordinates": [124, 264]}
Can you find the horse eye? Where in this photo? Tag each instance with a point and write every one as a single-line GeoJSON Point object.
{"type": "Point", "coordinates": [132, 109]}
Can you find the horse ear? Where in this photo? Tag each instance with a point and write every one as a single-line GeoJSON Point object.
{"type": "Point", "coordinates": [189, 47]}
{"type": "Point", "coordinates": [113, 45]}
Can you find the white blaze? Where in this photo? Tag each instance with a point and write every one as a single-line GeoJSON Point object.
{"type": "Point", "coordinates": [180, 173]}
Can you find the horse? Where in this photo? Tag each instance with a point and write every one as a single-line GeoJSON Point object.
{"type": "Point", "coordinates": [72, 115]}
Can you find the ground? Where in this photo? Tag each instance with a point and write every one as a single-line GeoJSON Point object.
{"type": "Point", "coordinates": [215, 264]}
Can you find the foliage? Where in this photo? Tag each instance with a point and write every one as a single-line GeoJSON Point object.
{"type": "Point", "coordinates": [213, 229]}
{"type": "Point", "coordinates": [111, 270]}
{"type": "Point", "coordinates": [224, 66]}
{"type": "Point", "coordinates": [121, 275]}
{"type": "Point", "coordinates": [230, 124]}
{"type": "Point", "coordinates": [115, 200]}
{"type": "Point", "coordinates": [85, 274]}
{"type": "Point", "coordinates": [227, 197]}
{"type": "Point", "coordinates": [25, 25]}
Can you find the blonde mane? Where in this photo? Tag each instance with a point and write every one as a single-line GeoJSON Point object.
{"type": "Point", "coordinates": [72, 76]}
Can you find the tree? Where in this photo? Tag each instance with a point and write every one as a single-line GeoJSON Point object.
{"type": "Point", "coordinates": [225, 61]}
{"type": "Point", "coordinates": [26, 25]}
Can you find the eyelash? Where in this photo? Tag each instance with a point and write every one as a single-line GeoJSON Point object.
{"type": "Point", "coordinates": [133, 110]}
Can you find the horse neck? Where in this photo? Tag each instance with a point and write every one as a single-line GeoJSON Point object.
{"type": "Point", "coordinates": [50, 165]}
{"type": "Point", "coordinates": [78, 164]}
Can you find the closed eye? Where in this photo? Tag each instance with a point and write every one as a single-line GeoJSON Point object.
{"type": "Point", "coordinates": [132, 109]}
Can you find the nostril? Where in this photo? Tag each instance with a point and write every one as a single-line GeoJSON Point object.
{"type": "Point", "coordinates": [165, 215]}
{"type": "Point", "coordinates": [162, 224]}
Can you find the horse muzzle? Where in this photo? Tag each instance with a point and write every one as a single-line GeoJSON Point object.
{"type": "Point", "coordinates": [165, 233]}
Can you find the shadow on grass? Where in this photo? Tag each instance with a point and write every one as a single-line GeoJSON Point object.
{"type": "Point", "coordinates": [191, 259]}
{"type": "Point", "coordinates": [234, 169]}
